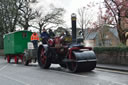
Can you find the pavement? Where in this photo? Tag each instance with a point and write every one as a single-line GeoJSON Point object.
{"type": "Point", "coordinates": [113, 67]}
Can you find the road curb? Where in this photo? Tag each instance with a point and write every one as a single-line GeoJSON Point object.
{"type": "Point", "coordinates": [114, 68]}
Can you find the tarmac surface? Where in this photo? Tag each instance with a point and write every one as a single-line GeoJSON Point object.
{"type": "Point", "coordinates": [18, 74]}
{"type": "Point", "coordinates": [107, 66]}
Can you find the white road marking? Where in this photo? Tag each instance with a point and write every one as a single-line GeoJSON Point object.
{"type": "Point", "coordinates": [3, 67]}
{"type": "Point", "coordinates": [14, 79]}
{"type": "Point", "coordinates": [10, 77]}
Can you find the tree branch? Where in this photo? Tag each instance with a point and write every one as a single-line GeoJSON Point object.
{"type": "Point", "coordinates": [112, 11]}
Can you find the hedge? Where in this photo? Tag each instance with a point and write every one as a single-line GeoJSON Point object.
{"type": "Point", "coordinates": [110, 49]}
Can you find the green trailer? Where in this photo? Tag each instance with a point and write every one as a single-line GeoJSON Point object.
{"type": "Point", "coordinates": [15, 43]}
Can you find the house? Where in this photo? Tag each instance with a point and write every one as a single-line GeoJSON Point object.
{"type": "Point", "coordinates": [90, 37]}
{"type": "Point", "coordinates": [107, 37]}
{"type": "Point", "coordinates": [102, 37]}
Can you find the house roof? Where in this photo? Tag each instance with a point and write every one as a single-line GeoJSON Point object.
{"type": "Point", "coordinates": [90, 35]}
{"type": "Point", "coordinates": [114, 31]}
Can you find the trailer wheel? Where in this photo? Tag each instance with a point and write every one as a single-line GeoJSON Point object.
{"type": "Point", "coordinates": [43, 59]}
{"type": "Point", "coordinates": [72, 66]}
{"type": "Point", "coordinates": [8, 59]}
{"type": "Point", "coordinates": [16, 59]}
{"type": "Point", "coordinates": [25, 61]}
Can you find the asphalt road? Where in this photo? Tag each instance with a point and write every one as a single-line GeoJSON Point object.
{"type": "Point", "coordinates": [18, 74]}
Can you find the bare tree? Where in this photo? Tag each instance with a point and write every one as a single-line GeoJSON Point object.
{"type": "Point", "coordinates": [101, 26]}
{"type": "Point", "coordinates": [9, 11]}
{"type": "Point", "coordinates": [27, 14]}
{"type": "Point", "coordinates": [52, 19]}
{"type": "Point", "coordinates": [84, 19]}
{"type": "Point", "coordinates": [13, 12]}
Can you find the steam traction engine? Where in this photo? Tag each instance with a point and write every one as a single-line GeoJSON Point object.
{"type": "Point", "coordinates": [73, 56]}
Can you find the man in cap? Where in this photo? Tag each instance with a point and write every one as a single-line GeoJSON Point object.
{"type": "Point", "coordinates": [45, 36]}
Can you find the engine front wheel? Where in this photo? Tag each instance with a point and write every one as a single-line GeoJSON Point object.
{"type": "Point", "coordinates": [84, 66]}
{"type": "Point", "coordinates": [43, 59]}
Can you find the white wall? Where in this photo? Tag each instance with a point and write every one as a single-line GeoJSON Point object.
{"type": "Point", "coordinates": [89, 43]}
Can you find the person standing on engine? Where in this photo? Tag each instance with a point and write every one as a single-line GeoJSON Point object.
{"type": "Point", "coordinates": [35, 39]}
{"type": "Point", "coordinates": [51, 33]}
{"type": "Point", "coordinates": [45, 36]}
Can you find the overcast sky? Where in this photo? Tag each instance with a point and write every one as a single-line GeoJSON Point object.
{"type": "Point", "coordinates": [71, 6]}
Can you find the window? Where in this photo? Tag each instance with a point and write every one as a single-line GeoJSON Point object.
{"type": "Point", "coordinates": [108, 42]}
{"type": "Point", "coordinates": [24, 34]}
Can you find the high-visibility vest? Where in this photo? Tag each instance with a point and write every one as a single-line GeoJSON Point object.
{"type": "Point", "coordinates": [34, 37]}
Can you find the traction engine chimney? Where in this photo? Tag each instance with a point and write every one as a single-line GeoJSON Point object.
{"type": "Point", "coordinates": [73, 21]}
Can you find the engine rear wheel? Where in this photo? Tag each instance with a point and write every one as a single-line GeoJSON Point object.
{"type": "Point", "coordinates": [43, 59]}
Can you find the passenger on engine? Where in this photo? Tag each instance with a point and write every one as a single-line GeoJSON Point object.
{"type": "Point", "coordinates": [65, 37]}
{"type": "Point", "coordinates": [35, 39]}
{"type": "Point", "coordinates": [45, 36]}
{"type": "Point", "coordinates": [62, 35]}
{"type": "Point", "coordinates": [51, 33]}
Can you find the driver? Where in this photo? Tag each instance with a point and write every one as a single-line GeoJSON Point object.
{"type": "Point", "coordinates": [45, 36]}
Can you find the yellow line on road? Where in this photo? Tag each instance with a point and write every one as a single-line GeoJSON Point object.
{"type": "Point", "coordinates": [113, 71]}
